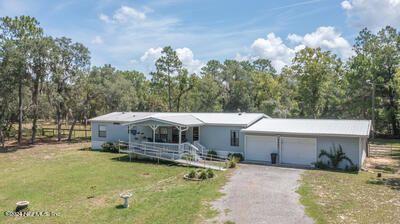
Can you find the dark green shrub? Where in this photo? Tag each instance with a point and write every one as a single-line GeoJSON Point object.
{"type": "Point", "coordinates": [86, 149]}
{"type": "Point", "coordinates": [192, 174]}
{"type": "Point", "coordinates": [239, 156]}
{"type": "Point", "coordinates": [335, 156]}
{"type": "Point", "coordinates": [210, 173]}
{"type": "Point", "coordinates": [321, 165]}
{"type": "Point", "coordinates": [110, 147]}
{"type": "Point", "coordinates": [352, 168]}
{"type": "Point", "coordinates": [212, 154]}
{"type": "Point", "coordinates": [203, 175]}
{"type": "Point", "coordinates": [106, 146]}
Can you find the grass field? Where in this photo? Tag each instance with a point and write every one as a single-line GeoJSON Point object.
{"type": "Point", "coordinates": [339, 197]}
{"type": "Point", "coordinates": [60, 178]}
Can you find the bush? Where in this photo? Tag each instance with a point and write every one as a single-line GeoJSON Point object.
{"type": "Point", "coordinates": [203, 175]}
{"type": "Point", "coordinates": [111, 147]}
{"type": "Point", "coordinates": [239, 156]}
{"type": "Point", "coordinates": [232, 163]}
{"type": "Point", "coordinates": [188, 157]}
{"type": "Point", "coordinates": [335, 156]}
{"type": "Point", "coordinates": [212, 154]}
{"type": "Point", "coordinates": [321, 165]}
{"type": "Point", "coordinates": [352, 168]}
{"type": "Point", "coordinates": [210, 173]}
{"type": "Point", "coordinates": [86, 149]}
{"type": "Point", "coordinates": [192, 174]}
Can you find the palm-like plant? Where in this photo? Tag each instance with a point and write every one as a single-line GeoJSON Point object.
{"type": "Point", "coordinates": [336, 155]}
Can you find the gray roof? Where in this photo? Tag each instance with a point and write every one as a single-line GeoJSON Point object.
{"type": "Point", "coordinates": [318, 127]}
{"type": "Point", "coordinates": [187, 119]}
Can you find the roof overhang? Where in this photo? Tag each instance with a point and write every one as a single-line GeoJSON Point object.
{"type": "Point", "coordinates": [160, 120]}
{"type": "Point", "coordinates": [302, 134]}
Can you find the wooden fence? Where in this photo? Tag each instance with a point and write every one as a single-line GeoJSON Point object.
{"type": "Point", "coordinates": [76, 133]}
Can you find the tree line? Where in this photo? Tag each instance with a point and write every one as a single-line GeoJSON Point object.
{"type": "Point", "coordinates": [45, 77]}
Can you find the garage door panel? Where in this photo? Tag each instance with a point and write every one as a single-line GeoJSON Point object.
{"type": "Point", "coordinates": [259, 148]}
{"type": "Point", "coordinates": [300, 151]}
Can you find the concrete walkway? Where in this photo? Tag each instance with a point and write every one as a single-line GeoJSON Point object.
{"type": "Point", "coordinates": [261, 194]}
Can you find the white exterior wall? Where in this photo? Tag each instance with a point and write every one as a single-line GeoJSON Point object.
{"type": "Point", "coordinates": [218, 138]}
{"type": "Point", "coordinates": [114, 133]}
{"type": "Point", "coordinates": [350, 145]}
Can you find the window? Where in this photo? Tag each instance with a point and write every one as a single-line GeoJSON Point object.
{"type": "Point", "coordinates": [162, 134]}
{"type": "Point", "coordinates": [234, 138]}
{"type": "Point", "coordinates": [195, 133]}
{"type": "Point", "coordinates": [102, 131]}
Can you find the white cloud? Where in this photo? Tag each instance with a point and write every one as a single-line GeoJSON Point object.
{"type": "Point", "coordinates": [327, 38]}
{"type": "Point", "coordinates": [273, 48]}
{"type": "Point", "coordinates": [126, 15]}
{"type": "Point", "coordinates": [184, 54]}
{"type": "Point", "coordinates": [97, 40]}
{"type": "Point", "coordinates": [188, 61]}
{"type": "Point", "coordinates": [150, 57]}
{"type": "Point", "coordinates": [374, 14]}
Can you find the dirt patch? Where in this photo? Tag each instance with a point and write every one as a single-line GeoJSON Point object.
{"type": "Point", "coordinates": [147, 175]}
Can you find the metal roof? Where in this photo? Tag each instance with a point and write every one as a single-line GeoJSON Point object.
{"type": "Point", "coordinates": [328, 127]}
{"type": "Point", "coordinates": [186, 119]}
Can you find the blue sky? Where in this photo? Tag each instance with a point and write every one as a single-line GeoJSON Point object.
{"type": "Point", "coordinates": [130, 34]}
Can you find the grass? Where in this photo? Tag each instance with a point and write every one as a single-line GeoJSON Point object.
{"type": "Point", "coordinates": [340, 197]}
{"type": "Point", "coordinates": [84, 187]}
{"type": "Point", "coordinates": [386, 142]}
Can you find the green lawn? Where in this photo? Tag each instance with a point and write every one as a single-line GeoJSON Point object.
{"type": "Point", "coordinates": [59, 178]}
{"type": "Point", "coordinates": [386, 142]}
{"type": "Point", "coordinates": [339, 197]}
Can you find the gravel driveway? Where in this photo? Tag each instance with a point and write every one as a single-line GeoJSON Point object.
{"type": "Point", "coordinates": [261, 194]}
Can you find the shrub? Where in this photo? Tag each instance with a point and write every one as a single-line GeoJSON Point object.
{"type": "Point", "coordinates": [352, 168]}
{"type": "Point", "coordinates": [212, 154]}
{"type": "Point", "coordinates": [239, 156]}
{"type": "Point", "coordinates": [86, 149]}
{"type": "Point", "coordinates": [187, 157]}
{"type": "Point", "coordinates": [336, 155]}
{"type": "Point", "coordinates": [203, 175]}
{"type": "Point", "coordinates": [210, 173]}
{"type": "Point", "coordinates": [232, 163]}
{"type": "Point", "coordinates": [321, 165]}
{"type": "Point", "coordinates": [110, 147]}
{"type": "Point", "coordinates": [192, 174]}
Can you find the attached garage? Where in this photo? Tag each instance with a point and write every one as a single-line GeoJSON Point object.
{"type": "Point", "coordinates": [300, 141]}
{"type": "Point", "coordinates": [259, 148]}
{"type": "Point", "coordinates": [302, 151]}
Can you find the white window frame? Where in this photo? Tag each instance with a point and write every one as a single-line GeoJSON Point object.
{"type": "Point", "coordinates": [101, 132]}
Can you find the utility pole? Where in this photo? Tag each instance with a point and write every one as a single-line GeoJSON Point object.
{"type": "Point", "coordinates": [373, 105]}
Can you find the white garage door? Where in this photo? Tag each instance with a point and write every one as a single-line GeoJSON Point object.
{"type": "Point", "coordinates": [259, 148]}
{"type": "Point", "coordinates": [298, 150]}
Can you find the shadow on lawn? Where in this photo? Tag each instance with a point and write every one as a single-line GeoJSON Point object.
{"type": "Point", "coordinates": [125, 158]}
{"type": "Point", "coordinates": [393, 183]}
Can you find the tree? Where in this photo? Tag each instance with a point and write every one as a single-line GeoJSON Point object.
{"type": "Point", "coordinates": [236, 77]}
{"type": "Point", "coordinates": [213, 68]}
{"type": "Point", "coordinates": [184, 84]}
{"type": "Point", "coordinates": [20, 30]}
{"type": "Point", "coordinates": [264, 65]}
{"type": "Point", "coordinates": [68, 61]}
{"type": "Point", "coordinates": [168, 63]}
{"type": "Point", "coordinates": [8, 54]}
{"type": "Point", "coordinates": [315, 73]}
{"type": "Point", "coordinates": [40, 48]}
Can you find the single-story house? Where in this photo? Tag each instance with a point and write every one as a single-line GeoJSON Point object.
{"type": "Point", "coordinates": [254, 135]}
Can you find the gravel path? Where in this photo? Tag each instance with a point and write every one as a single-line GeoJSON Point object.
{"type": "Point", "coordinates": [261, 194]}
